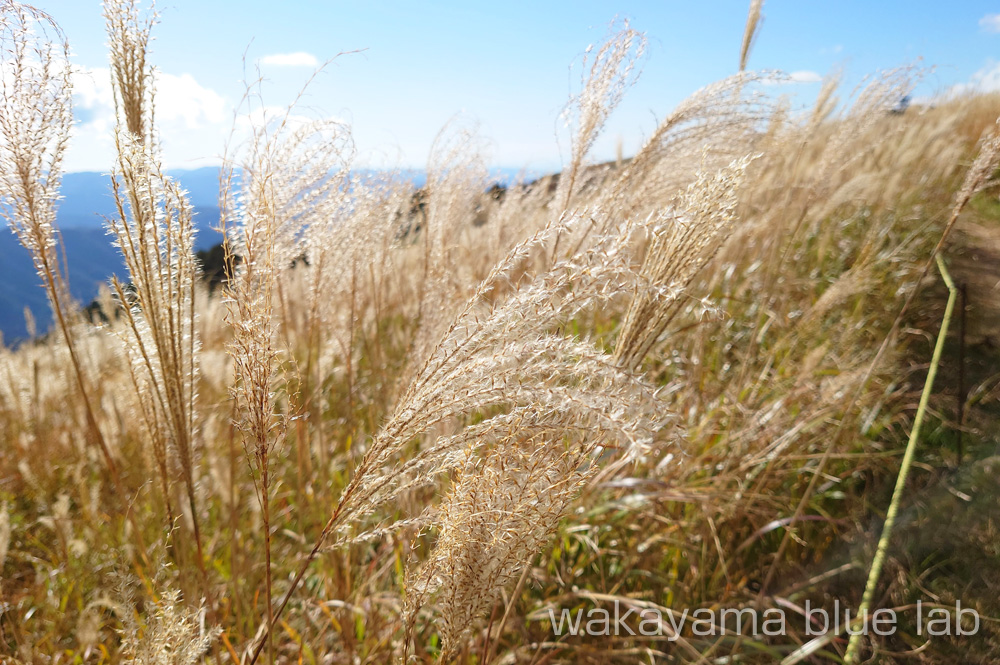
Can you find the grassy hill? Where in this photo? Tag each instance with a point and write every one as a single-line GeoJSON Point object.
{"type": "Point", "coordinates": [648, 398]}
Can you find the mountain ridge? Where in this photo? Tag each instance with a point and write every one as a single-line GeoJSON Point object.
{"type": "Point", "coordinates": [91, 258]}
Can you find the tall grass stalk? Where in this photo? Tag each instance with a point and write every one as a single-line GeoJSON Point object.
{"type": "Point", "coordinates": [154, 231]}
{"type": "Point", "coordinates": [854, 645]}
{"type": "Point", "coordinates": [36, 117]}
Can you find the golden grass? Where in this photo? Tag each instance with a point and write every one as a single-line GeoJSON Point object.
{"type": "Point", "coordinates": [412, 422]}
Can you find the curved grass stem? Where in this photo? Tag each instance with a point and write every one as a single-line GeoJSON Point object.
{"type": "Point", "coordinates": [854, 645]}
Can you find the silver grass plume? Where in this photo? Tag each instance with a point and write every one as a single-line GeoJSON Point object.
{"type": "Point", "coordinates": [36, 118]}
{"type": "Point", "coordinates": [132, 78]}
{"type": "Point", "coordinates": [682, 239]}
{"type": "Point", "coordinates": [608, 72]}
{"type": "Point", "coordinates": [521, 470]}
{"type": "Point", "coordinates": [307, 162]}
{"type": "Point", "coordinates": [155, 234]}
{"type": "Point", "coordinates": [754, 19]}
{"type": "Point", "coordinates": [277, 185]}
{"type": "Point", "coordinates": [36, 115]}
{"type": "Point", "coordinates": [456, 178]}
{"type": "Point", "coordinates": [350, 255]}
{"type": "Point", "coordinates": [154, 231]}
{"type": "Point", "coordinates": [716, 125]}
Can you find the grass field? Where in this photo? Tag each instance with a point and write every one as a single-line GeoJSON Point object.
{"type": "Point", "coordinates": [419, 425]}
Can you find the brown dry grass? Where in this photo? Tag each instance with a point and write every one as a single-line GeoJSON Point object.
{"type": "Point", "coordinates": [413, 422]}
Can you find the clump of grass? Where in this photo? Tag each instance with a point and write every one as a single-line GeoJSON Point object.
{"type": "Point", "coordinates": [170, 635]}
{"type": "Point", "coordinates": [36, 117]}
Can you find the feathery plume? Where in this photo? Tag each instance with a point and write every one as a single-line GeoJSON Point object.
{"type": "Point", "coordinates": [154, 231]}
{"type": "Point", "coordinates": [754, 20]}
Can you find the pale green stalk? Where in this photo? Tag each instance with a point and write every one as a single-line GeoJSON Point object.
{"type": "Point", "coordinates": [854, 645]}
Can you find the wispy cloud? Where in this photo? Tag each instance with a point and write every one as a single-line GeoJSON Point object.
{"type": "Point", "coordinates": [181, 102]}
{"type": "Point", "coordinates": [298, 59]}
{"type": "Point", "coordinates": [986, 79]}
{"type": "Point", "coordinates": [801, 76]}
{"type": "Point", "coordinates": [192, 118]}
{"type": "Point", "coordinates": [805, 76]}
{"type": "Point", "coordinates": [990, 23]}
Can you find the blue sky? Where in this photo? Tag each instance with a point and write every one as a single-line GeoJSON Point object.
{"type": "Point", "coordinates": [504, 65]}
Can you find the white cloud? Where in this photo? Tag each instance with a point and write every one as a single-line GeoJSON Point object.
{"type": "Point", "coordinates": [182, 97]}
{"type": "Point", "coordinates": [802, 76]}
{"type": "Point", "coordinates": [178, 98]}
{"type": "Point", "coordinates": [189, 119]}
{"type": "Point", "coordinates": [298, 59]}
{"type": "Point", "coordinates": [92, 90]}
{"type": "Point", "coordinates": [990, 23]}
{"type": "Point", "coordinates": [986, 79]}
{"type": "Point", "coordinates": [94, 108]}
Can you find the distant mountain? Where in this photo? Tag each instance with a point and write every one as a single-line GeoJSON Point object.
{"type": "Point", "coordinates": [90, 256]}
{"type": "Point", "coordinates": [92, 259]}
{"type": "Point", "coordinates": [87, 197]}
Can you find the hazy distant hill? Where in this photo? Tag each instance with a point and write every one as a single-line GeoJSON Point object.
{"type": "Point", "coordinates": [92, 259]}
{"type": "Point", "coordinates": [90, 255]}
